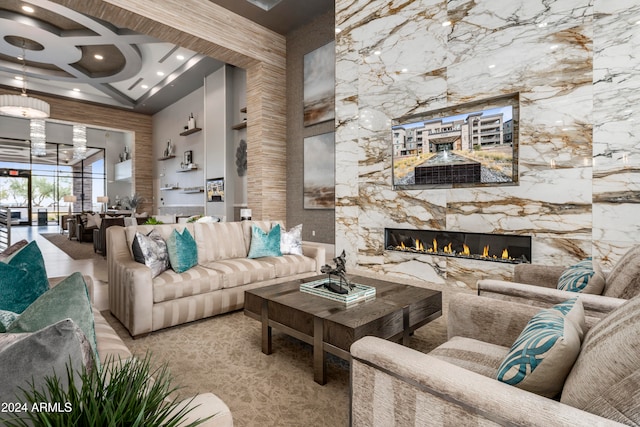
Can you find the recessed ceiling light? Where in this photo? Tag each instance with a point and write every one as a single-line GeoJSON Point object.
{"type": "Point", "coordinates": [28, 9]}
{"type": "Point", "coordinates": [98, 57]}
{"type": "Point", "coordinates": [180, 57]}
{"type": "Point", "coordinates": [160, 73]}
{"type": "Point", "coordinates": [265, 4]}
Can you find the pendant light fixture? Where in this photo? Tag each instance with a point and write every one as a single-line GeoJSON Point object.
{"type": "Point", "coordinates": [38, 137]}
{"type": "Point", "coordinates": [23, 105]}
{"type": "Point", "coordinates": [79, 142]}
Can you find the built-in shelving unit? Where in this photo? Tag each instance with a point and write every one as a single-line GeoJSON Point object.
{"type": "Point", "coordinates": [190, 131]}
{"type": "Point", "coordinates": [191, 169]}
{"type": "Point", "coordinates": [191, 190]}
{"type": "Point", "coordinates": [243, 124]}
{"type": "Point", "coordinates": [169, 187]}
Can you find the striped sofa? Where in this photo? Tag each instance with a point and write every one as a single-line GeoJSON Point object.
{"type": "Point", "coordinates": [455, 383]}
{"type": "Point", "coordinates": [215, 285]}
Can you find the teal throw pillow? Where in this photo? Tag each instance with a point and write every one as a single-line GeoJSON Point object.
{"type": "Point", "coordinates": [265, 244]}
{"type": "Point", "coordinates": [69, 299]}
{"type": "Point", "coordinates": [585, 276]}
{"type": "Point", "coordinates": [23, 278]}
{"type": "Point", "coordinates": [183, 252]}
{"type": "Point", "coordinates": [542, 356]}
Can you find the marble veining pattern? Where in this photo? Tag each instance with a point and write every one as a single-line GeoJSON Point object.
{"type": "Point", "coordinates": [573, 63]}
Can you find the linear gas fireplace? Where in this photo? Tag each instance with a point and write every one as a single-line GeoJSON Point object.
{"type": "Point", "coordinates": [487, 247]}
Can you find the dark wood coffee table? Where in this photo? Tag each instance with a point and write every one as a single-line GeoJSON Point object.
{"type": "Point", "coordinates": [331, 326]}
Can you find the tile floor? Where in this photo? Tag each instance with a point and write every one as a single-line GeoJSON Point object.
{"type": "Point", "coordinates": [59, 263]}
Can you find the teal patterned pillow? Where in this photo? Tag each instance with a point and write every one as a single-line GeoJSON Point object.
{"type": "Point", "coordinates": [183, 252]}
{"type": "Point", "coordinates": [585, 276]}
{"type": "Point", "coordinates": [544, 353]}
{"type": "Point", "coordinates": [265, 244]}
{"type": "Point", "coordinates": [23, 278]}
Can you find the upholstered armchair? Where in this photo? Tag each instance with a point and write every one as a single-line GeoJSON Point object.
{"type": "Point", "coordinates": [85, 224]}
{"type": "Point", "coordinates": [455, 384]}
{"type": "Point", "coordinates": [537, 285]}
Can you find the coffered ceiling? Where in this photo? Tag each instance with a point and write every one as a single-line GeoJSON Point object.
{"type": "Point", "coordinates": [64, 53]}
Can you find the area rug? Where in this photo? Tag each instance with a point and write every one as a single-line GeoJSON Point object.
{"type": "Point", "coordinates": [73, 248]}
{"type": "Point", "coordinates": [222, 355]}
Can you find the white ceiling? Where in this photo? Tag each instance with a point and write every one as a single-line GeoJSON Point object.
{"type": "Point", "coordinates": [70, 39]}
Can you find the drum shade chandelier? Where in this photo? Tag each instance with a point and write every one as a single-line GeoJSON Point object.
{"type": "Point", "coordinates": [23, 105]}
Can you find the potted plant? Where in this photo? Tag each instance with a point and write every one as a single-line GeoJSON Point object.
{"type": "Point", "coordinates": [126, 393]}
{"type": "Point", "coordinates": [133, 202]}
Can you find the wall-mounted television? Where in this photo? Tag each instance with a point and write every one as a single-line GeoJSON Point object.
{"type": "Point", "coordinates": [467, 145]}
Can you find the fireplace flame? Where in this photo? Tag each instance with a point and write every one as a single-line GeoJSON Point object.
{"type": "Point", "coordinates": [418, 246]}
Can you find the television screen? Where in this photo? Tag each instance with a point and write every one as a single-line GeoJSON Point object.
{"type": "Point", "coordinates": [467, 145]}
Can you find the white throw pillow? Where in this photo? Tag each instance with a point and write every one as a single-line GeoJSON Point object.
{"type": "Point", "coordinates": [291, 241]}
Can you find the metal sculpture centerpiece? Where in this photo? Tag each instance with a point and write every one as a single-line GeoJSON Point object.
{"type": "Point", "coordinates": [343, 285]}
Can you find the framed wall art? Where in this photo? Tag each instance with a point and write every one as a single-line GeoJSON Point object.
{"type": "Point", "coordinates": [319, 171]}
{"type": "Point", "coordinates": [215, 190]}
{"type": "Point", "coordinates": [319, 85]}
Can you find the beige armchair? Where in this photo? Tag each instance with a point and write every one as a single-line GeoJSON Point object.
{"type": "Point", "coordinates": [455, 383]}
{"type": "Point", "coordinates": [536, 285]}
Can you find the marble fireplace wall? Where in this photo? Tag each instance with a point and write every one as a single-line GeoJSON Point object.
{"type": "Point", "coordinates": [573, 64]}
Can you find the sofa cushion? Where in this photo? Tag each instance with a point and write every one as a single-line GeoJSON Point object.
{"type": "Point", "coordinates": [23, 278]}
{"type": "Point", "coordinates": [151, 250]}
{"type": "Point", "coordinates": [542, 356]}
{"type": "Point", "coordinates": [586, 276]}
{"type": "Point", "coordinates": [289, 265]}
{"type": "Point", "coordinates": [28, 358]}
{"type": "Point", "coordinates": [241, 271]}
{"type": "Point", "coordinates": [264, 243]}
{"type": "Point", "coordinates": [605, 380]}
{"type": "Point", "coordinates": [219, 240]}
{"type": "Point", "coordinates": [291, 241]}
{"type": "Point", "coordinates": [110, 345]}
{"type": "Point", "coordinates": [183, 252]}
{"type": "Point", "coordinates": [69, 299]}
{"type": "Point", "coordinates": [478, 356]}
{"type": "Point", "coordinates": [623, 280]}
{"type": "Point", "coordinates": [197, 280]}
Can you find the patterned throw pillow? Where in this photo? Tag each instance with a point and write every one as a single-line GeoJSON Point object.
{"type": "Point", "coordinates": [544, 353]}
{"type": "Point", "coordinates": [183, 252]}
{"type": "Point", "coordinates": [23, 278]}
{"type": "Point", "coordinates": [585, 276]}
{"type": "Point", "coordinates": [264, 244]}
{"type": "Point", "coordinates": [291, 241]}
{"type": "Point", "coordinates": [151, 250]}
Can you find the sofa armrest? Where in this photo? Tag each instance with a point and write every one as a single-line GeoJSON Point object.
{"type": "Point", "coordinates": [316, 251]}
{"type": "Point", "coordinates": [594, 305]}
{"type": "Point", "coordinates": [487, 319]}
{"type": "Point", "coordinates": [130, 285]}
{"type": "Point", "coordinates": [536, 274]}
{"type": "Point", "coordinates": [395, 385]}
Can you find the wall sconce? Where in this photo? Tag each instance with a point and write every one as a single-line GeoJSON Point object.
{"type": "Point", "coordinates": [104, 200]}
{"type": "Point", "coordinates": [245, 214]}
{"type": "Point", "coordinates": [71, 199]}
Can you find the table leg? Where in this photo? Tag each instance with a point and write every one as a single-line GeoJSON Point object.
{"type": "Point", "coordinates": [405, 324]}
{"type": "Point", "coordinates": [319, 358]}
{"type": "Point", "coordinates": [266, 329]}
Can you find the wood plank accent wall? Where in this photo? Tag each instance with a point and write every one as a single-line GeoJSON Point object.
{"type": "Point", "coordinates": [104, 117]}
{"type": "Point", "coordinates": [209, 29]}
